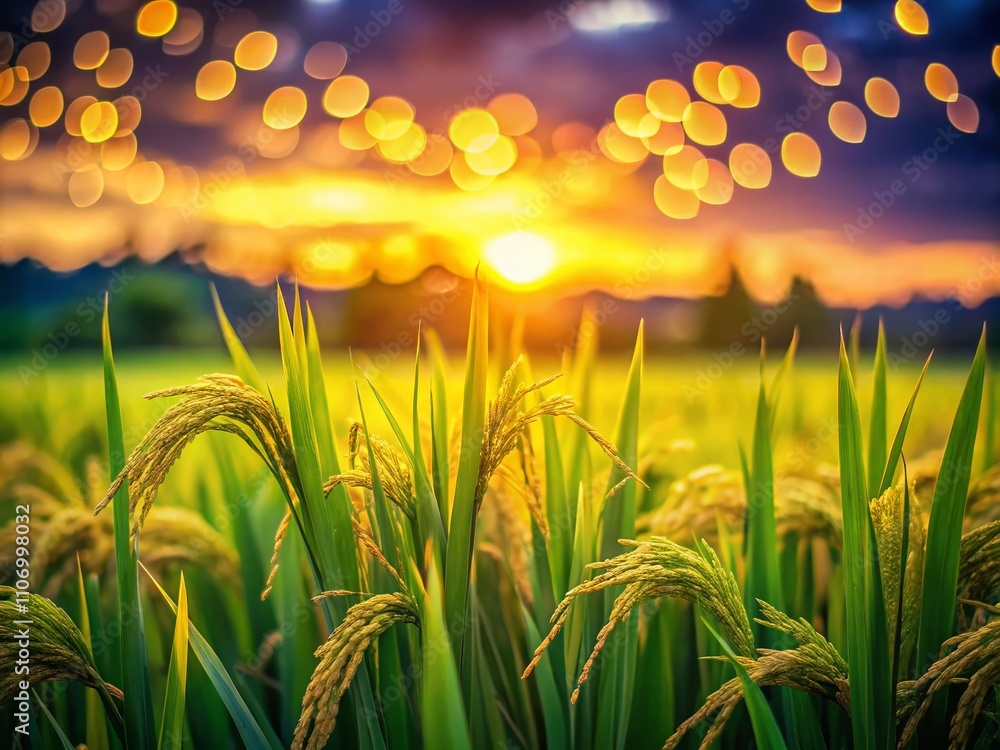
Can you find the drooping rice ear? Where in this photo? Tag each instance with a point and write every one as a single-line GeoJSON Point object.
{"type": "Point", "coordinates": [340, 657]}
{"type": "Point", "coordinates": [58, 649]}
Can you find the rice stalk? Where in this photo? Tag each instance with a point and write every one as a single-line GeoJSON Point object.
{"type": "Point", "coordinates": [974, 662]}
{"type": "Point", "coordinates": [392, 470]}
{"type": "Point", "coordinates": [652, 570]}
{"type": "Point", "coordinates": [215, 402]}
{"type": "Point", "coordinates": [57, 649]}
{"type": "Point", "coordinates": [814, 666]}
{"type": "Point", "coordinates": [505, 425]}
{"type": "Point", "coordinates": [887, 519]}
{"type": "Point", "coordinates": [983, 504]}
{"type": "Point", "coordinates": [340, 657]}
{"type": "Point", "coordinates": [979, 566]}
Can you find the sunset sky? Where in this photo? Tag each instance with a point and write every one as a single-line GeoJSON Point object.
{"type": "Point", "coordinates": [912, 208]}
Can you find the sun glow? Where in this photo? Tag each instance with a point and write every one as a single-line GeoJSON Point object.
{"type": "Point", "coordinates": [521, 257]}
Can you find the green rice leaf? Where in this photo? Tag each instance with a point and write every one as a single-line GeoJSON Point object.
{"type": "Point", "coordinates": [245, 367]}
{"type": "Point", "coordinates": [251, 733]}
{"type": "Point", "coordinates": [896, 451]}
{"type": "Point", "coordinates": [618, 522]}
{"type": "Point", "coordinates": [944, 529]}
{"type": "Point", "coordinates": [60, 734]}
{"type": "Point", "coordinates": [172, 724]}
{"type": "Point", "coordinates": [867, 630]}
{"type": "Point", "coordinates": [439, 423]}
{"type": "Point", "coordinates": [135, 667]}
{"type": "Point", "coordinates": [97, 730]}
{"type": "Point", "coordinates": [462, 524]}
{"type": "Point", "coordinates": [878, 426]}
{"type": "Point", "coordinates": [765, 726]}
{"type": "Point", "coordinates": [763, 573]}
{"type": "Point", "coordinates": [442, 711]}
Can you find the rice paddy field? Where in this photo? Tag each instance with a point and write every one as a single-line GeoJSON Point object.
{"type": "Point", "coordinates": [389, 375]}
{"type": "Point", "coordinates": [301, 549]}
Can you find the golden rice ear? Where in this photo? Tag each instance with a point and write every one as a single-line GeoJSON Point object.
{"type": "Point", "coordinates": [972, 658]}
{"type": "Point", "coordinates": [340, 657]}
{"type": "Point", "coordinates": [979, 566]}
{"type": "Point", "coordinates": [58, 649]}
{"type": "Point", "coordinates": [279, 537]}
{"type": "Point", "coordinates": [652, 570]}
{"type": "Point", "coordinates": [215, 402]}
{"type": "Point", "coordinates": [505, 426]}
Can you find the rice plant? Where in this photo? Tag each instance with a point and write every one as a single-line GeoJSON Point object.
{"type": "Point", "coordinates": [388, 587]}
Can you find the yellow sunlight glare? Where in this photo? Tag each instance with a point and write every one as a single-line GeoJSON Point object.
{"type": "Point", "coordinates": [520, 257]}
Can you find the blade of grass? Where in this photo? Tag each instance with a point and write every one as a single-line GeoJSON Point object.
{"type": "Point", "coordinates": [618, 515]}
{"type": "Point", "coordinates": [63, 739]}
{"type": "Point", "coordinates": [251, 733]}
{"type": "Point", "coordinates": [765, 727]}
{"type": "Point", "coordinates": [135, 667]}
{"type": "Point", "coordinates": [439, 423]}
{"type": "Point", "coordinates": [172, 723]}
{"type": "Point", "coordinates": [867, 631]}
{"type": "Point", "coordinates": [877, 451]}
{"type": "Point", "coordinates": [944, 529]}
{"type": "Point", "coordinates": [780, 377]}
{"type": "Point", "coordinates": [245, 367]}
{"type": "Point", "coordinates": [462, 525]}
{"type": "Point", "coordinates": [763, 573]}
{"type": "Point", "coordinates": [442, 711]}
{"type": "Point", "coordinates": [896, 451]}
{"type": "Point", "coordinates": [97, 729]}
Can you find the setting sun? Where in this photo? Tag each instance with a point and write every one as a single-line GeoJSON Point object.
{"type": "Point", "coordinates": [521, 257]}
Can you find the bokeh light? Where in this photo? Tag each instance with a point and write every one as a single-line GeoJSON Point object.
{"type": "Point", "coordinates": [325, 60]}
{"type": "Point", "coordinates": [46, 106]}
{"type": "Point", "coordinates": [666, 100]}
{"type": "Point", "coordinates": [389, 117]}
{"type": "Point", "coordinates": [964, 114]}
{"type": "Point", "coordinates": [91, 50]}
{"type": "Point", "coordinates": [750, 166]}
{"type": "Point", "coordinates": [881, 97]}
{"type": "Point", "coordinates": [847, 122]}
{"type": "Point", "coordinates": [704, 124]}
{"type": "Point", "coordinates": [514, 113]}
{"type": "Point", "coordinates": [156, 18]}
{"type": "Point", "coordinates": [346, 96]}
{"type": "Point", "coordinates": [473, 130]}
{"type": "Point", "coordinates": [35, 58]}
{"type": "Point", "coordinates": [673, 201]}
{"type": "Point", "coordinates": [116, 69]}
{"type": "Point", "coordinates": [801, 155]}
{"type": "Point", "coordinates": [215, 80]}
{"type": "Point", "coordinates": [941, 82]}
{"type": "Point", "coordinates": [256, 50]}
{"type": "Point", "coordinates": [285, 107]}
{"type": "Point", "coordinates": [911, 17]}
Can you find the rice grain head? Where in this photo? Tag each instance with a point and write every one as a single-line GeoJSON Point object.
{"type": "Point", "coordinates": [972, 658]}
{"type": "Point", "coordinates": [215, 402]}
{"type": "Point", "coordinates": [340, 657]}
{"type": "Point", "coordinates": [58, 650]}
{"type": "Point", "coordinates": [814, 666]}
{"type": "Point", "coordinates": [651, 570]}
